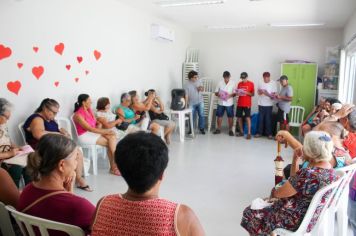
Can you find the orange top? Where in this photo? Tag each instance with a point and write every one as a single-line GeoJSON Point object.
{"type": "Point", "coordinates": [118, 216]}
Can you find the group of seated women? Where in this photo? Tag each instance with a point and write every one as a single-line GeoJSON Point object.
{"type": "Point", "coordinates": [330, 144]}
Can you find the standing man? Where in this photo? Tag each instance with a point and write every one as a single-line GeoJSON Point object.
{"type": "Point", "coordinates": [225, 92]}
{"type": "Point", "coordinates": [194, 98]}
{"type": "Point", "coordinates": [267, 90]}
{"type": "Point", "coordinates": [245, 90]}
{"type": "Point", "coordinates": [284, 100]}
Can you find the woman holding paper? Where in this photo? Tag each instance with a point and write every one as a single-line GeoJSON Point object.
{"type": "Point", "coordinates": [7, 148]}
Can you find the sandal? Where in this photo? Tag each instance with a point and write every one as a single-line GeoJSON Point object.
{"type": "Point", "coordinates": [115, 171]}
{"type": "Point", "coordinates": [85, 188]}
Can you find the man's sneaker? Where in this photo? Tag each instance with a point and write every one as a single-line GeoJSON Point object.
{"type": "Point", "coordinates": [238, 134]}
{"type": "Point", "coordinates": [248, 136]}
{"type": "Point", "coordinates": [202, 131]}
{"type": "Point", "coordinates": [257, 135]}
{"type": "Point", "coordinates": [231, 133]}
{"type": "Point", "coordinates": [217, 131]}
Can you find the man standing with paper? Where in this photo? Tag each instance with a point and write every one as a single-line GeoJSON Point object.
{"type": "Point", "coordinates": [245, 90]}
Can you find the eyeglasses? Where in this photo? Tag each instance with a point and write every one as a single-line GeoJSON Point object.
{"type": "Point", "coordinates": [54, 112]}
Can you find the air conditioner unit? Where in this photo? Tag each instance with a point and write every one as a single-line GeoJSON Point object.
{"type": "Point", "coordinates": [160, 32]}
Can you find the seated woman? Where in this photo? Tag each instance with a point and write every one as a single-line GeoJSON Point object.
{"type": "Point", "coordinates": [106, 118]}
{"type": "Point", "coordinates": [140, 210]}
{"type": "Point", "coordinates": [90, 134]}
{"type": "Point", "coordinates": [50, 195]}
{"type": "Point", "coordinates": [157, 116]}
{"type": "Point", "coordinates": [131, 121]}
{"type": "Point", "coordinates": [140, 108]}
{"type": "Point", "coordinates": [292, 199]}
{"type": "Point", "coordinates": [43, 122]}
{"type": "Point", "coordinates": [7, 148]}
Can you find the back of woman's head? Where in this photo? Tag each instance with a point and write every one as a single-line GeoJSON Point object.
{"type": "Point", "coordinates": [5, 106]}
{"type": "Point", "coordinates": [318, 146]}
{"type": "Point", "coordinates": [141, 157]}
{"type": "Point", "coordinates": [124, 96]}
{"type": "Point", "coordinates": [333, 128]}
{"type": "Point", "coordinates": [81, 98]}
{"type": "Point", "coordinates": [51, 149]}
{"type": "Point", "coordinates": [47, 103]}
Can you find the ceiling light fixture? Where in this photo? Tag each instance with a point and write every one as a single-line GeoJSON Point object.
{"type": "Point", "coordinates": [296, 24]}
{"type": "Point", "coordinates": [227, 27]}
{"type": "Point", "coordinates": [182, 3]}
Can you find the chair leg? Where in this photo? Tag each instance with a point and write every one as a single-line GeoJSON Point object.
{"type": "Point", "coordinates": [181, 119]}
{"type": "Point", "coordinates": [94, 159]}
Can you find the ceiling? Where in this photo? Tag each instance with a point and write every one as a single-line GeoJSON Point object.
{"type": "Point", "coordinates": [334, 13]}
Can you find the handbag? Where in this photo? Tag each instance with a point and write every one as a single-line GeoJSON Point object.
{"type": "Point", "coordinates": [123, 126]}
{"type": "Point", "coordinates": [158, 116]}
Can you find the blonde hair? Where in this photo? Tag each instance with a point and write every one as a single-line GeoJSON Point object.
{"type": "Point", "coordinates": [318, 146]}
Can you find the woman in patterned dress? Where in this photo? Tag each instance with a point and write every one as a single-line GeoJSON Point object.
{"type": "Point", "coordinates": [293, 198]}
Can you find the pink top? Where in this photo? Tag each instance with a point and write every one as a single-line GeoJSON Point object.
{"type": "Point", "coordinates": [88, 116]}
{"type": "Point", "coordinates": [64, 207]}
{"type": "Point", "coordinates": [118, 216]}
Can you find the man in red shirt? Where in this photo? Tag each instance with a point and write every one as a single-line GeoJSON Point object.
{"type": "Point", "coordinates": [245, 90]}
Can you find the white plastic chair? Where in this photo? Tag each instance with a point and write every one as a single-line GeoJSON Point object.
{"type": "Point", "coordinates": [320, 224]}
{"type": "Point", "coordinates": [5, 225]}
{"type": "Point", "coordinates": [22, 132]}
{"type": "Point", "coordinates": [339, 205]}
{"type": "Point", "coordinates": [213, 104]}
{"type": "Point", "coordinates": [27, 222]}
{"type": "Point", "coordinates": [296, 117]}
{"type": "Point", "coordinates": [207, 84]}
{"type": "Point", "coordinates": [92, 149]}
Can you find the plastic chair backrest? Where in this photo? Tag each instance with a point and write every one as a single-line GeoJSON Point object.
{"type": "Point", "coordinates": [296, 115]}
{"type": "Point", "coordinates": [349, 174]}
{"type": "Point", "coordinates": [5, 225]}
{"type": "Point", "coordinates": [317, 199]}
{"type": "Point", "coordinates": [22, 132]}
{"type": "Point", "coordinates": [43, 225]}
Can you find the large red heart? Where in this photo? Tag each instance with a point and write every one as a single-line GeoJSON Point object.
{"type": "Point", "coordinates": [14, 87]}
{"type": "Point", "coordinates": [35, 49]}
{"type": "Point", "coordinates": [97, 54]}
{"type": "Point", "coordinates": [59, 48]}
{"type": "Point", "coordinates": [79, 59]}
{"type": "Point", "coordinates": [19, 65]}
{"type": "Point", "coordinates": [37, 71]}
{"type": "Point", "coordinates": [56, 83]}
{"type": "Point", "coordinates": [68, 67]}
{"type": "Point", "coordinates": [4, 52]}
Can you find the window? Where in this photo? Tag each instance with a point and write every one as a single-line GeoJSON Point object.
{"type": "Point", "coordinates": [347, 75]}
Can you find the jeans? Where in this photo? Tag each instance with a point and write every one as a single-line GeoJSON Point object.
{"type": "Point", "coordinates": [16, 172]}
{"type": "Point", "coordinates": [199, 108]}
{"type": "Point", "coordinates": [265, 117]}
{"type": "Point", "coordinates": [352, 215]}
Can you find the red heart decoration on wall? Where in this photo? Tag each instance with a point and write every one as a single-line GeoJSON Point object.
{"type": "Point", "coordinates": [56, 83]}
{"type": "Point", "coordinates": [76, 80]}
{"type": "Point", "coordinates": [14, 87]}
{"type": "Point", "coordinates": [68, 67]}
{"type": "Point", "coordinates": [19, 65]}
{"type": "Point", "coordinates": [4, 52]}
{"type": "Point", "coordinates": [79, 59]}
{"type": "Point", "coordinates": [37, 71]}
{"type": "Point", "coordinates": [97, 54]}
{"type": "Point", "coordinates": [86, 72]}
{"type": "Point", "coordinates": [35, 49]}
{"type": "Point", "coordinates": [59, 48]}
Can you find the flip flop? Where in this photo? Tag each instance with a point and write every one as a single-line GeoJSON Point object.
{"type": "Point", "coordinates": [85, 188]}
{"type": "Point", "coordinates": [115, 171]}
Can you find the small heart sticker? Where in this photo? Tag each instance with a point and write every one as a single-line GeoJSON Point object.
{"type": "Point", "coordinates": [59, 48]}
{"type": "Point", "coordinates": [14, 87]}
{"type": "Point", "coordinates": [37, 71]}
{"type": "Point", "coordinates": [79, 59]}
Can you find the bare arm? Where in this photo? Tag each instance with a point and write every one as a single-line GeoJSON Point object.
{"type": "Point", "coordinates": [108, 124]}
{"type": "Point", "coordinates": [9, 154]}
{"type": "Point", "coordinates": [188, 223]}
{"type": "Point", "coordinates": [37, 128]}
{"type": "Point", "coordinates": [121, 114]}
{"type": "Point", "coordinates": [9, 194]}
{"type": "Point", "coordinates": [87, 127]}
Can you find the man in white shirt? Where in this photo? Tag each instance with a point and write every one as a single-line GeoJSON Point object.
{"type": "Point", "coordinates": [267, 90]}
{"type": "Point", "coordinates": [225, 91]}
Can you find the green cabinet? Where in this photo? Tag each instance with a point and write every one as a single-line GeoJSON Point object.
{"type": "Point", "coordinates": [303, 78]}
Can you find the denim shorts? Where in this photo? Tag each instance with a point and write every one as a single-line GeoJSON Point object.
{"type": "Point", "coordinates": [229, 111]}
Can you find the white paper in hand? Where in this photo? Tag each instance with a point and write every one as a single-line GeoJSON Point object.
{"type": "Point", "coordinates": [21, 158]}
{"type": "Point", "coordinates": [259, 204]}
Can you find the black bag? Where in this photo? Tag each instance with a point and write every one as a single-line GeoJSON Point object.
{"type": "Point", "coordinates": [158, 116]}
{"type": "Point", "coordinates": [178, 99]}
{"type": "Point", "coordinates": [123, 126]}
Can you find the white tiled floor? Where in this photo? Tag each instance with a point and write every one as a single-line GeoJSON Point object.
{"type": "Point", "coordinates": [216, 175]}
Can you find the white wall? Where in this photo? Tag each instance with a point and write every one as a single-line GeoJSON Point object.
{"type": "Point", "coordinates": [259, 51]}
{"type": "Point", "coordinates": [130, 58]}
